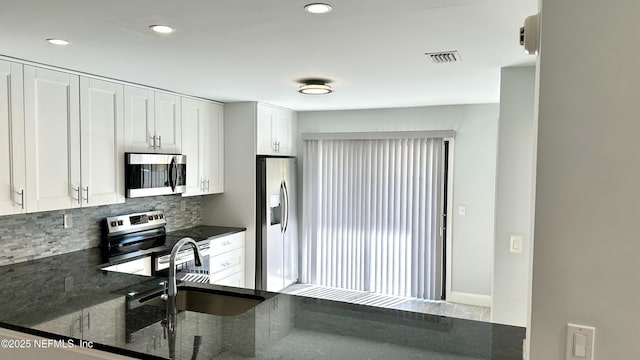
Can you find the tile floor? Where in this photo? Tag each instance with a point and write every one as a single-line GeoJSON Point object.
{"type": "Point", "coordinates": [393, 302]}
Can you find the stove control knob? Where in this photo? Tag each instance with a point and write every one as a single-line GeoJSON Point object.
{"type": "Point", "coordinates": [156, 217]}
{"type": "Point", "coordinates": [120, 222]}
{"type": "Point", "coordinates": [113, 224]}
{"type": "Point", "coordinates": [150, 217]}
{"type": "Point", "coordinates": [161, 216]}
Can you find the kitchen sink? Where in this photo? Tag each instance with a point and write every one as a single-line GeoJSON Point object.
{"type": "Point", "coordinates": [208, 301]}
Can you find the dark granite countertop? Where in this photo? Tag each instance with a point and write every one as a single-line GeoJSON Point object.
{"type": "Point", "coordinates": [55, 296]}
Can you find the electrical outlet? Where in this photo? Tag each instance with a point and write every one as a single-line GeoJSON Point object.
{"type": "Point", "coordinates": [515, 244]}
{"type": "Point", "coordinates": [67, 221]}
{"type": "Point", "coordinates": [462, 210]}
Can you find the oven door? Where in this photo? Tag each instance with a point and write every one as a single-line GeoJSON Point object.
{"type": "Point", "coordinates": [155, 174]}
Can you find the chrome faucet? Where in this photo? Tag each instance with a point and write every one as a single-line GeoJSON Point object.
{"type": "Point", "coordinates": [172, 289]}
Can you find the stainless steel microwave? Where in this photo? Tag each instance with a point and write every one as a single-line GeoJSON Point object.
{"type": "Point", "coordinates": [154, 174]}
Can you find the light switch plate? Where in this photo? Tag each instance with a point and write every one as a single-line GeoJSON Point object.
{"type": "Point", "coordinates": [580, 341]}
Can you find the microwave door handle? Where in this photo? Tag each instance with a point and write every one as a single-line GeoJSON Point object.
{"type": "Point", "coordinates": [173, 174]}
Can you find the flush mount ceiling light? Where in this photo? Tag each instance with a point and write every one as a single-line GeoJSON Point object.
{"type": "Point", "coordinates": [315, 87]}
{"type": "Point", "coordinates": [318, 8]}
{"type": "Point", "coordinates": [57, 41]}
{"type": "Point", "coordinates": [162, 29]}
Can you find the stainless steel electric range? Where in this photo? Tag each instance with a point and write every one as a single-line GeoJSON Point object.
{"type": "Point", "coordinates": [139, 244]}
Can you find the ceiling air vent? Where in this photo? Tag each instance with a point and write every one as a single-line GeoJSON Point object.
{"type": "Point", "coordinates": [444, 57]}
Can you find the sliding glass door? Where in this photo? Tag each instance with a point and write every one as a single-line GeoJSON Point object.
{"type": "Point", "coordinates": [372, 215]}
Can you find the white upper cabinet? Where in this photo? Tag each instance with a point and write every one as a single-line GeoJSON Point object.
{"type": "Point", "coordinates": [12, 157]}
{"type": "Point", "coordinates": [202, 143]}
{"type": "Point", "coordinates": [168, 125]}
{"type": "Point", "coordinates": [52, 124]}
{"type": "Point", "coordinates": [274, 130]}
{"type": "Point", "coordinates": [102, 142]}
{"type": "Point", "coordinates": [152, 121]}
{"type": "Point", "coordinates": [139, 119]}
{"type": "Point", "coordinates": [214, 149]}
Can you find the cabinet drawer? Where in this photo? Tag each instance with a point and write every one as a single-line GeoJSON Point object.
{"type": "Point", "coordinates": [227, 243]}
{"type": "Point", "coordinates": [226, 264]}
{"type": "Point", "coordinates": [235, 280]}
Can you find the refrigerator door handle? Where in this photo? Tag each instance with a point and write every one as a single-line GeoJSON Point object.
{"type": "Point", "coordinates": [282, 210]}
{"type": "Point", "coordinates": [286, 200]}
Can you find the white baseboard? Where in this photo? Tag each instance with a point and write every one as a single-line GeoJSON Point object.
{"type": "Point", "coordinates": [470, 299]}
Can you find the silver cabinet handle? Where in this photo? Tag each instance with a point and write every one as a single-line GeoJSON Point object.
{"type": "Point", "coordinates": [159, 142]}
{"type": "Point", "coordinates": [202, 185]}
{"type": "Point", "coordinates": [77, 190]}
{"type": "Point", "coordinates": [86, 189]}
{"type": "Point", "coordinates": [208, 185]}
{"type": "Point", "coordinates": [153, 138]}
{"type": "Point", "coordinates": [21, 203]}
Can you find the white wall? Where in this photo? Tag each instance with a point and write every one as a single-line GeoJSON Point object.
{"type": "Point", "coordinates": [474, 176]}
{"type": "Point", "coordinates": [237, 205]}
{"type": "Point", "coordinates": [586, 266]}
{"type": "Point", "coordinates": [514, 195]}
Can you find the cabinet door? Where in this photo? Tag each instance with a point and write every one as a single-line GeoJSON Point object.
{"type": "Point", "coordinates": [102, 142]}
{"type": "Point", "coordinates": [67, 325]}
{"type": "Point", "coordinates": [139, 119]}
{"type": "Point", "coordinates": [193, 133]}
{"type": "Point", "coordinates": [168, 123]}
{"type": "Point", "coordinates": [12, 160]}
{"type": "Point", "coordinates": [214, 149]}
{"type": "Point", "coordinates": [264, 124]}
{"type": "Point", "coordinates": [282, 132]}
{"type": "Point", "coordinates": [52, 126]}
{"type": "Point", "coordinates": [105, 323]}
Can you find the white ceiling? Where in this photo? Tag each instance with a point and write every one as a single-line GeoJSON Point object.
{"type": "Point", "coordinates": [245, 50]}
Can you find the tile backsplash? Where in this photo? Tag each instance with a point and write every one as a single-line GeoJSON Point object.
{"type": "Point", "coordinates": [32, 236]}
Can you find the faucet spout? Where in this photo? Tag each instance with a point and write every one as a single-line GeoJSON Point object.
{"type": "Point", "coordinates": [173, 289]}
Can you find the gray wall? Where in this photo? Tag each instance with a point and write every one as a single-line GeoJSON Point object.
{"type": "Point", "coordinates": [514, 195]}
{"type": "Point", "coordinates": [37, 235]}
{"type": "Point", "coordinates": [474, 174]}
{"type": "Point", "coordinates": [587, 232]}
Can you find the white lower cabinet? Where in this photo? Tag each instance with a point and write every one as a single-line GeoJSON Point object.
{"type": "Point", "coordinates": [227, 260]}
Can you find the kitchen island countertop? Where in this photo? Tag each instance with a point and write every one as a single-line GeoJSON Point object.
{"type": "Point", "coordinates": [46, 297]}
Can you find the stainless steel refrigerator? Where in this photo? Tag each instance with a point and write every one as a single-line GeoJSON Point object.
{"type": "Point", "coordinates": [276, 225]}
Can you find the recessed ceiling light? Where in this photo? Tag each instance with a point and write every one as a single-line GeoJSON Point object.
{"type": "Point", "coordinates": [315, 87]}
{"type": "Point", "coordinates": [318, 8]}
{"type": "Point", "coordinates": [57, 41]}
{"type": "Point", "coordinates": [162, 29]}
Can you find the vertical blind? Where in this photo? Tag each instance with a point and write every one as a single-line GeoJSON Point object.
{"type": "Point", "coordinates": [372, 215]}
